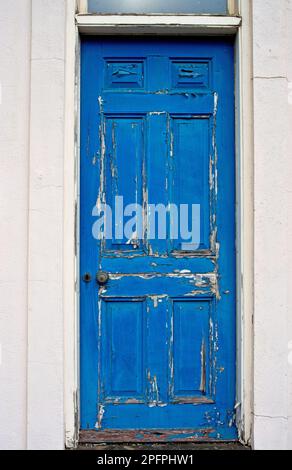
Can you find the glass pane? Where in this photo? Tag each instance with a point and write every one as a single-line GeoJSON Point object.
{"type": "Point", "coordinates": [158, 6]}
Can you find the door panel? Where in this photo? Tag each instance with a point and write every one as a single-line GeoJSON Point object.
{"type": "Point", "coordinates": [191, 356]}
{"type": "Point", "coordinates": [158, 339]}
{"type": "Point", "coordinates": [188, 176]}
{"type": "Point", "coordinates": [121, 382]}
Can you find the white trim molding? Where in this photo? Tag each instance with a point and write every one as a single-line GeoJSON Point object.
{"type": "Point", "coordinates": [70, 267]}
{"type": "Point", "coordinates": [158, 24]}
{"type": "Point", "coordinates": [245, 220]}
{"type": "Point", "coordinates": [233, 7]}
{"type": "Point", "coordinates": [82, 6]}
{"type": "Point", "coordinates": [45, 343]}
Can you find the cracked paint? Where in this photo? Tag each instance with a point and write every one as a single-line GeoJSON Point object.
{"type": "Point", "coordinates": [153, 391]}
{"type": "Point", "coordinates": [101, 411]}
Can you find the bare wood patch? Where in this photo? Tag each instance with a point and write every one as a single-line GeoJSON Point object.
{"type": "Point", "coordinates": [115, 435]}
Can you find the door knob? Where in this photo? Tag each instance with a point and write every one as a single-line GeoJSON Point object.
{"type": "Point", "coordinates": [102, 277]}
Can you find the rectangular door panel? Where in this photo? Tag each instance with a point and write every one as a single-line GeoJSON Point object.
{"type": "Point", "coordinates": [124, 175]}
{"type": "Point", "coordinates": [189, 171]}
{"type": "Point", "coordinates": [191, 359]}
{"type": "Point", "coordinates": [118, 380]}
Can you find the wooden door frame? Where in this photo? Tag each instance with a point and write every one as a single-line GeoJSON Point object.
{"type": "Point", "coordinates": [241, 28]}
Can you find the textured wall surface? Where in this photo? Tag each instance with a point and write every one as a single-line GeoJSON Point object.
{"type": "Point", "coordinates": [272, 48]}
{"type": "Point", "coordinates": [15, 21]}
{"type": "Point", "coordinates": [45, 417]}
{"type": "Point", "coordinates": [32, 77]}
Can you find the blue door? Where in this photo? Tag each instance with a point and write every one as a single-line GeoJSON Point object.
{"type": "Point", "coordinates": [157, 307]}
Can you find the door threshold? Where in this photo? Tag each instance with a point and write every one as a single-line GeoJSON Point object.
{"type": "Point", "coordinates": [115, 436]}
{"type": "Point", "coordinates": [170, 446]}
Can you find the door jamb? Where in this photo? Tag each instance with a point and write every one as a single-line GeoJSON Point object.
{"type": "Point", "coordinates": [244, 206]}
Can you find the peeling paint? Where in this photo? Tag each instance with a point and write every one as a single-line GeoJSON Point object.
{"type": "Point", "coordinates": [134, 240]}
{"type": "Point", "coordinates": [171, 149]}
{"type": "Point", "coordinates": [153, 391]}
{"type": "Point", "coordinates": [203, 367]}
{"type": "Point", "coordinates": [194, 293]}
{"type": "Point", "coordinates": [101, 193]}
{"type": "Point", "coordinates": [207, 281]}
{"type": "Point", "coordinates": [157, 113]}
{"type": "Point", "coordinates": [214, 145]}
{"type": "Point", "coordinates": [101, 411]}
{"type": "Point", "coordinates": [145, 436]}
{"type": "Point", "coordinates": [157, 299]}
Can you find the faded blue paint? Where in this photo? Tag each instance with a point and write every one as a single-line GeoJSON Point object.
{"type": "Point", "coordinates": [158, 341]}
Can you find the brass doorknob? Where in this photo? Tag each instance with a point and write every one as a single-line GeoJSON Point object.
{"type": "Point", "coordinates": [102, 277]}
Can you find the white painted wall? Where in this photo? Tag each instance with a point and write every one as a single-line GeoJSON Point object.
{"type": "Point", "coordinates": [45, 416]}
{"type": "Point", "coordinates": [32, 77]}
{"type": "Point", "coordinates": [14, 149]}
{"type": "Point", "coordinates": [272, 25]}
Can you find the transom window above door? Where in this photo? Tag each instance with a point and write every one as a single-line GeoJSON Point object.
{"type": "Point", "coordinates": [215, 7]}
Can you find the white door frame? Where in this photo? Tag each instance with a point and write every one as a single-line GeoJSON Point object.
{"type": "Point", "coordinates": [159, 25]}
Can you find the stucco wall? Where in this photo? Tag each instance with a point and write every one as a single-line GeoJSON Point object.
{"type": "Point", "coordinates": [32, 74]}
{"type": "Point", "coordinates": [32, 80]}
{"type": "Point", "coordinates": [45, 415]}
{"type": "Point", "coordinates": [272, 49]}
{"type": "Point", "coordinates": [15, 21]}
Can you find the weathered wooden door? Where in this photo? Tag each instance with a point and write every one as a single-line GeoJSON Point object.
{"type": "Point", "coordinates": [158, 325]}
